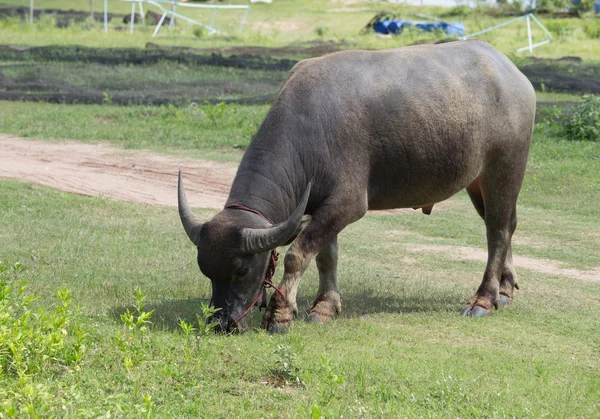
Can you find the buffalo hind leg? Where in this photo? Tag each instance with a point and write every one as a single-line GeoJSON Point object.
{"type": "Point", "coordinates": [327, 222]}
{"type": "Point", "coordinates": [508, 280]}
{"type": "Point", "coordinates": [327, 303]}
{"type": "Point", "coordinates": [499, 279]}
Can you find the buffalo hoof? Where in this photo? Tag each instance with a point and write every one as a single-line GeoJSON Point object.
{"type": "Point", "coordinates": [504, 300]}
{"type": "Point", "coordinates": [313, 318]}
{"type": "Point", "coordinates": [324, 308]}
{"type": "Point", "coordinates": [279, 328]}
{"type": "Point", "coordinates": [474, 311]}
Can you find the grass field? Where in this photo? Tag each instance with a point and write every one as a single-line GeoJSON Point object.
{"type": "Point", "coordinates": [402, 286]}
{"type": "Point", "coordinates": [399, 348]}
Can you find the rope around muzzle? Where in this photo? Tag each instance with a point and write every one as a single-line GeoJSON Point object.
{"type": "Point", "coordinates": [268, 281]}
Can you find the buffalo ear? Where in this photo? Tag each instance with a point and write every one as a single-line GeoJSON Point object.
{"type": "Point", "coordinates": [306, 219]}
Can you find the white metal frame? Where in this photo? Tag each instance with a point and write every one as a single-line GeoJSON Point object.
{"type": "Point", "coordinates": [172, 13]}
{"type": "Point", "coordinates": [528, 17]}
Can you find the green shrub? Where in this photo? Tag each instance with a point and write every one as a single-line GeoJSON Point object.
{"type": "Point", "coordinates": [559, 28]}
{"type": "Point", "coordinates": [549, 6]}
{"type": "Point", "coordinates": [457, 11]}
{"type": "Point", "coordinates": [584, 123]}
{"type": "Point", "coordinates": [321, 31]}
{"type": "Point", "coordinates": [34, 340]}
{"type": "Point", "coordinates": [592, 30]}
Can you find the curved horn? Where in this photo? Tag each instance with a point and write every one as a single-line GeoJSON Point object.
{"type": "Point", "coordinates": [190, 223]}
{"type": "Point", "coordinates": [256, 240]}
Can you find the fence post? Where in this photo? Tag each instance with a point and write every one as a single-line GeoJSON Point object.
{"type": "Point", "coordinates": [105, 16]}
{"type": "Point", "coordinates": [529, 34]}
{"type": "Point", "coordinates": [92, 9]}
{"type": "Point", "coordinates": [172, 23]}
{"type": "Point", "coordinates": [30, 11]}
{"type": "Point", "coordinates": [132, 21]}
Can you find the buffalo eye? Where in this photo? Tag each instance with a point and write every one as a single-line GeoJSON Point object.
{"type": "Point", "coordinates": [241, 271]}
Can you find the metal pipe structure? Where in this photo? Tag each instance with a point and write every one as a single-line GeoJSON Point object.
{"type": "Point", "coordinates": [174, 14]}
{"type": "Point", "coordinates": [31, 11]}
{"type": "Point", "coordinates": [529, 34]}
{"type": "Point", "coordinates": [527, 17]}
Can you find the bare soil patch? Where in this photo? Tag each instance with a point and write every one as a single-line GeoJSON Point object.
{"type": "Point", "coordinates": [102, 170]}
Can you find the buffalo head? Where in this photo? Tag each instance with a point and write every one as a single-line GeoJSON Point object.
{"type": "Point", "coordinates": [234, 253]}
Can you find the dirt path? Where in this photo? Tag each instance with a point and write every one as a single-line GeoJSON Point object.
{"type": "Point", "coordinates": [142, 177]}
{"type": "Point", "coordinates": [546, 266]}
{"type": "Point", "coordinates": [102, 170]}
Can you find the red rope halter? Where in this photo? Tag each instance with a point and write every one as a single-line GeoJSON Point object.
{"type": "Point", "coordinates": [268, 281]}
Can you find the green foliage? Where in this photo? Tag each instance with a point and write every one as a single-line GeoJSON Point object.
{"type": "Point", "coordinates": [133, 340]}
{"type": "Point", "coordinates": [549, 6]}
{"type": "Point", "coordinates": [33, 340]}
{"type": "Point", "coordinates": [559, 28]}
{"type": "Point", "coordinates": [200, 32]}
{"type": "Point", "coordinates": [584, 123]}
{"type": "Point", "coordinates": [216, 112]}
{"type": "Point", "coordinates": [592, 29]}
{"type": "Point", "coordinates": [457, 11]}
{"type": "Point", "coordinates": [205, 326]}
{"type": "Point", "coordinates": [321, 31]}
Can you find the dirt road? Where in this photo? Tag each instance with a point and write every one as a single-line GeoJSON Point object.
{"type": "Point", "coordinates": [102, 170]}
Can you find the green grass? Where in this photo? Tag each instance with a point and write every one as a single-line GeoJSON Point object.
{"type": "Point", "coordinates": [208, 131]}
{"type": "Point", "coordinates": [283, 23]}
{"type": "Point", "coordinates": [400, 347]}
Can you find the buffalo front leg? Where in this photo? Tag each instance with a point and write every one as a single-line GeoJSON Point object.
{"type": "Point", "coordinates": [282, 307]}
{"type": "Point", "coordinates": [328, 302]}
{"type": "Point", "coordinates": [327, 222]}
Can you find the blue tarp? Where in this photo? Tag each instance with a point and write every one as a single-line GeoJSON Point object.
{"type": "Point", "coordinates": [395, 26]}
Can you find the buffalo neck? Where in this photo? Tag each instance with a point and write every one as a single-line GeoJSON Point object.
{"type": "Point", "coordinates": [270, 179]}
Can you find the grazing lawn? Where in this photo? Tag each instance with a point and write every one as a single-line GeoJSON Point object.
{"type": "Point", "coordinates": [102, 305]}
{"type": "Point", "coordinates": [398, 349]}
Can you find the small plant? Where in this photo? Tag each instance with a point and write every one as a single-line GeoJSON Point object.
{"type": "Point", "coordinates": [584, 123]}
{"type": "Point", "coordinates": [285, 366]}
{"type": "Point", "coordinates": [333, 381]}
{"type": "Point", "coordinates": [134, 336]}
{"type": "Point", "coordinates": [107, 98]}
{"type": "Point", "coordinates": [321, 31]}
{"type": "Point", "coordinates": [205, 326]}
{"type": "Point", "coordinates": [200, 32]}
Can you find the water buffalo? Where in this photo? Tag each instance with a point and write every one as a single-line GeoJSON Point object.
{"type": "Point", "coordinates": [360, 130]}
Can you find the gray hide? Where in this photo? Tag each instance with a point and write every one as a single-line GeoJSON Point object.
{"type": "Point", "coordinates": [371, 130]}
